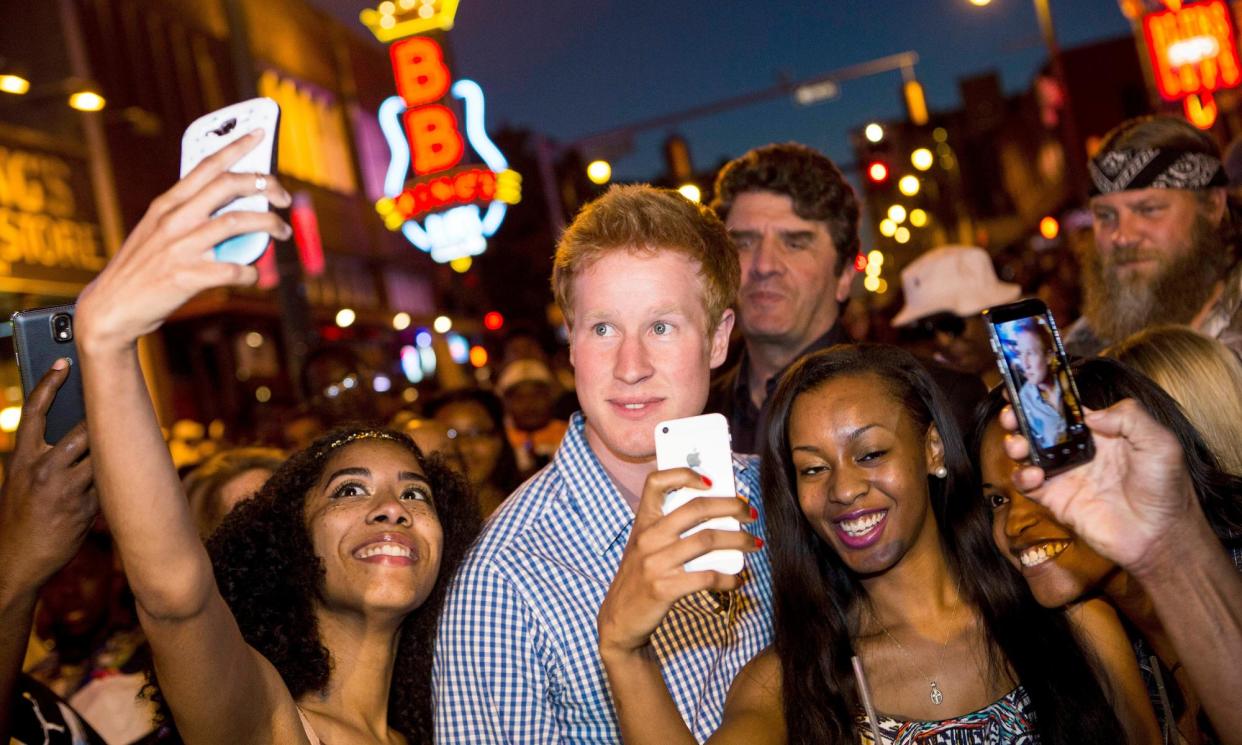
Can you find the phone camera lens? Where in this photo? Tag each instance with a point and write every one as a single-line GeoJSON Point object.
{"type": "Point", "coordinates": [665, 430]}
{"type": "Point", "coordinates": [62, 327]}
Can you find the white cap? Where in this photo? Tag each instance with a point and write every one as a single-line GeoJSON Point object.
{"type": "Point", "coordinates": [952, 279]}
{"type": "Point", "coordinates": [525, 370]}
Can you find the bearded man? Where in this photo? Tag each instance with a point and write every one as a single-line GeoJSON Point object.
{"type": "Point", "coordinates": [1164, 248]}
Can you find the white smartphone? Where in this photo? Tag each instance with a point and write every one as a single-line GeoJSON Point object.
{"type": "Point", "coordinates": [703, 444]}
{"type": "Point", "coordinates": [211, 132]}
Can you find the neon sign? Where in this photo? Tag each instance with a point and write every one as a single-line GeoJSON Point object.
{"type": "Point", "coordinates": [1193, 54]}
{"type": "Point", "coordinates": [440, 204]}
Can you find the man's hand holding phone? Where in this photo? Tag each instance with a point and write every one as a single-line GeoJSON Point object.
{"type": "Point", "coordinates": [168, 258]}
{"type": "Point", "coordinates": [652, 575]}
{"type": "Point", "coordinates": [1132, 500]}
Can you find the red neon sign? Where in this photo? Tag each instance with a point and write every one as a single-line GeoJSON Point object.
{"type": "Point", "coordinates": [436, 142]}
{"type": "Point", "coordinates": [461, 187]}
{"type": "Point", "coordinates": [1193, 49]}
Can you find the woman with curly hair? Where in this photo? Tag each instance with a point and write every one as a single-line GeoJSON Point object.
{"type": "Point", "coordinates": [315, 625]}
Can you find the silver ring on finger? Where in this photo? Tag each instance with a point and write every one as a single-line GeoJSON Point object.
{"type": "Point", "coordinates": [260, 183]}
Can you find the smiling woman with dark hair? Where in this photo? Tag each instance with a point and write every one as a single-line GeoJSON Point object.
{"type": "Point", "coordinates": [315, 622]}
{"type": "Point", "coordinates": [881, 549]}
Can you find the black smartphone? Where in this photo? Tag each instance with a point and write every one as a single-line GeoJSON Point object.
{"type": "Point", "coordinates": [1036, 371]}
{"type": "Point", "coordinates": [41, 336]}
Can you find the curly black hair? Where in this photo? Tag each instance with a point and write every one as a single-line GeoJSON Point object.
{"type": "Point", "coordinates": [817, 187]}
{"type": "Point", "coordinates": [271, 578]}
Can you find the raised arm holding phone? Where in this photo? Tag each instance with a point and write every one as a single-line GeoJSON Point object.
{"type": "Point", "coordinates": [348, 536]}
{"type": "Point", "coordinates": [1135, 503]}
{"type": "Point", "coordinates": [164, 262]}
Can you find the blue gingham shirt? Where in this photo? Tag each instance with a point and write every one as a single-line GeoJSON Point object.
{"type": "Point", "coordinates": [516, 657]}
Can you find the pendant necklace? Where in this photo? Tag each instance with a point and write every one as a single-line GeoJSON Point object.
{"type": "Point", "coordinates": [937, 697]}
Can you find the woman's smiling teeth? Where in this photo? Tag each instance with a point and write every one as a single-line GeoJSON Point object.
{"type": "Point", "coordinates": [861, 525]}
{"type": "Point", "coordinates": [383, 549]}
{"type": "Point", "coordinates": [1036, 555]}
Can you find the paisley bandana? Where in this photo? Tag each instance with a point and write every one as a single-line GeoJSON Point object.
{"type": "Point", "coordinates": [1149, 168]}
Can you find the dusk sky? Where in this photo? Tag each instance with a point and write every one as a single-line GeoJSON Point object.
{"type": "Point", "coordinates": [571, 68]}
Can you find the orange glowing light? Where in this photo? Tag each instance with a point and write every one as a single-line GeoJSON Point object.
{"type": "Point", "coordinates": [1049, 227]}
{"type": "Point", "coordinates": [435, 139]}
{"type": "Point", "coordinates": [1201, 110]}
{"type": "Point", "coordinates": [419, 69]}
{"type": "Point", "coordinates": [1193, 49]}
{"type": "Point", "coordinates": [478, 356]}
{"type": "Point", "coordinates": [468, 186]}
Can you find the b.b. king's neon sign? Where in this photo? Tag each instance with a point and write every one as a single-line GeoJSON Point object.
{"type": "Point", "coordinates": [446, 208]}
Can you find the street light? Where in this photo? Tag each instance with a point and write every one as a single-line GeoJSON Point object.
{"type": "Point", "coordinates": [15, 84]}
{"type": "Point", "coordinates": [873, 132]}
{"type": "Point", "coordinates": [87, 100]}
{"type": "Point", "coordinates": [599, 172]}
{"type": "Point", "coordinates": [908, 185]}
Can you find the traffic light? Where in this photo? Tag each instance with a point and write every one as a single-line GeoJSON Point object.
{"type": "Point", "coordinates": [877, 172]}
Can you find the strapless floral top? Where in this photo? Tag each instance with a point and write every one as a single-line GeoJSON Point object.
{"type": "Point", "coordinates": [1008, 721]}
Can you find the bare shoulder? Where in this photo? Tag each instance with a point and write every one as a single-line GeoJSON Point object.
{"type": "Point", "coordinates": [754, 711]}
{"type": "Point", "coordinates": [1096, 622]}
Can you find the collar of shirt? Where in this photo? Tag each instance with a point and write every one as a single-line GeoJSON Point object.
{"type": "Point", "coordinates": [590, 490]}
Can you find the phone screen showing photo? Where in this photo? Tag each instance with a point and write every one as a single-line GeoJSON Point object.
{"type": "Point", "coordinates": [1041, 389]}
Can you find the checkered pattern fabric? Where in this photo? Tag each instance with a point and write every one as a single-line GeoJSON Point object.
{"type": "Point", "coordinates": [516, 659]}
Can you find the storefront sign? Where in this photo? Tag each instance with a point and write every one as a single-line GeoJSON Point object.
{"type": "Point", "coordinates": [444, 204]}
{"type": "Point", "coordinates": [1194, 53]}
{"type": "Point", "coordinates": [314, 146]}
{"type": "Point", "coordinates": [48, 232]}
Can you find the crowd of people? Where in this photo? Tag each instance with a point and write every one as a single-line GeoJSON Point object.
{"type": "Point", "coordinates": [497, 566]}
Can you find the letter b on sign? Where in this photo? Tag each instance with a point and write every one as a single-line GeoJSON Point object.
{"type": "Point", "coordinates": [435, 142]}
{"type": "Point", "coordinates": [419, 69]}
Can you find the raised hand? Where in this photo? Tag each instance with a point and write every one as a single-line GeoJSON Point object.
{"type": "Point", "coordinates": [651, 578]}
{"type": "Point", "coordinates": [1131, 500]}
{"type": "Point", "coordinates": [48, 503]}
{"type": "Point", "coordinates": [167, 259]}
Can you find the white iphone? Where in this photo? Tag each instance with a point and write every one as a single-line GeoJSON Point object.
{"type": "Point", "coordinates": [211, 132]}
{"type": "Point", "coordinates": [701, 443]}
